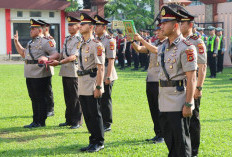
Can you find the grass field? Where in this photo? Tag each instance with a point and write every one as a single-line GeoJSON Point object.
{"type": "Point", "coordinates": [132, 120]}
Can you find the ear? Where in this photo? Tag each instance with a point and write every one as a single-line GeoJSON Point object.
{"type": "Point", "coordinates": [191, 24]}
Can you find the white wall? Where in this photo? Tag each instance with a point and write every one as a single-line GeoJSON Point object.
{"type": "Point", "coordinates": [2, 32]}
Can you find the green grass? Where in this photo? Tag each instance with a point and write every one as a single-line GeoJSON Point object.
{"type": "Point", "coordinates": [132, 120]}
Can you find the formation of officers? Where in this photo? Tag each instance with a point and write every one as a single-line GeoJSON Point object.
{"type": "Point", "coordinates": [176, 63]}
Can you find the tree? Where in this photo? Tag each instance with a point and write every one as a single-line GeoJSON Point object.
{"type": "Point", "coordinates": [73, 7]}
{"type": "Point", "coordinates": [140, 11]}
{"type": "Point", "coordinates": [87, 4]}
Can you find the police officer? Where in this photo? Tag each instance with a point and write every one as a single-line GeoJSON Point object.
{"type": "Point", "coordinates": [38, 76]}
{"type": "Point", "coordinates": [178, 60]}
{"type": "Point", "coordinates": [152, 84]}
{"type": "Point", "coordinates": [50, 100]}
{"type": "Point", "coordinates": [221, 49]}
{"type": "Point", "coordinates": [110, 72]}
{"type": "Point", "coordinates": [68, 71]}
{"type": "Point", "coordinates": [121, 48]}
{"type": "Point", "coordinates": [212, 51]}
{"type": "Point", "coordinates": [186, 30]}
{"type": "Point", "coordinates": [91, 60]}
{"type": "Point", "coordinates": [202, 34]}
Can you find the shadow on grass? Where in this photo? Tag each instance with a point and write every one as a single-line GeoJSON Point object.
{"type": "Point", "coordinates": [14, 117]}
{"type": "Point", "coordinates": [66, 150]}
{"type": "Point", "coordinates": [217, 120]}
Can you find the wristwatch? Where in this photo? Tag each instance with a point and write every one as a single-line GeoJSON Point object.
{"type": "Point", "coordinates": [98, 87]}
{"type": "Point", "coordinates": [199, 88]}
{"type": "Point", "coordinates": [108, 78]}
{"type": "Point", "coordinates": [133, 41]}
{"type": "Point", "coordinates": [188, 104]}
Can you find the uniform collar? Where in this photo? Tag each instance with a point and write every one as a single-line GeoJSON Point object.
{"type": "Point", "coordinates": [189, 36]}
{"type": "Point", "coordinates": [71, 37]}
{"type": "Point", "coordinates": [176, 41]}
{"type": "Point", "coordinates": [85, 42]}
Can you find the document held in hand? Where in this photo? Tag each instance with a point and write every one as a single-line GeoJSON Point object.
{"type": "Point", "coordinates": [129, 28]}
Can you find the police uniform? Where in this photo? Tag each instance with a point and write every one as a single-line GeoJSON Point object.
{"type": "Point", "coordinates": [50, 99]}
{"type": "Point", "coordinates": [68, 71]}
{"type": "Point", "coordinates": [152, 91]}
{"type": "Point", "coordinates": [110, 53]}
{"type": "Point", "coordinates": [195, 126]}
{"type": "Point", "coordinates": [91, 54]}
{"type": "Point", "coordinates": [38, 76]}
{"type": "Point", "coordinates": [212, 48]}
{"type": "Point", "coordinates": [174, 61]}
{"type": "Point", "coordinates": [221, 51]}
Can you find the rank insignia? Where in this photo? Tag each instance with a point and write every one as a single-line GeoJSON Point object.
{"type": "Point", "coordinates": [201, 48]}
{"type": "Point", "coordinates": [87, 50]}
{"type": "Point", "coordinates": [99, 50]}
{"type": "Point", "coordinates": [190, 55]}
{"type": "Point", "coordinates": [51, 43]}
{"type": "Point", "coordinates": [111, 45]}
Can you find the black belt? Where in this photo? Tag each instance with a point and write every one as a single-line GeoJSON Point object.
{"type": "Point", "coordinates": [31, 61]}
{"type": "Point", "coordinates": [172, 83]}
{"type": "Point", "coordinates": [86, 72]}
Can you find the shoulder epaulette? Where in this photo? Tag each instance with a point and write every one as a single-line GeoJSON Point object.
{"type": "Point", "coordinates": [108, 37]}
{"type": "Point", "coordinates": [194, 37]}
{"type": "Point", "coordinates": [79, 38]}
{"type": "Point", "coordinates": [186, 42]}
{"type": "Point", "coordinates": [51, 37]}
{"type": "Point", "coordinates": [96, 41]}
{"type": "Point", "coordinates": [67, 36]}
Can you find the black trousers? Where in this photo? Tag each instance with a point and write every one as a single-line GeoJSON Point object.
{"type": "Point", "coordinates": [212, 64]}
{"type": "Point", "coordinates": [195, 128]}
{"type": "Point", "coordinates": [93, 118]}
{"type": "Point", "coordinates": [152, 90]}
{"type": "Point", "coordinates": [73, 113]}
{"type": "Point", "coordinates": [106, 105]}
{"type": "Point", "coordinates": [147, 58]}
{"type": "Point", "coordinates": [121, 58]}
{"type": "Point", "coordinates": [37, 90]}
{"type": "Point", "coordinates": [175, 129]}
{"type": "Point", "coordinates": [128, 58]}
{"type": "Point", "coordinates": [220, 61]}
{"type": "Point", "coordinates": [135, 58]}
{"type": "Point", "coordinates": [49, 97]}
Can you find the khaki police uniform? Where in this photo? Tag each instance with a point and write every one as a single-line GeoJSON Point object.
{"type": "Point", "coordinates": [38, 77]}
{"type": "Point", "coordinates": [106, 101]}
{"type": "Point", "coordinates": [91, 54]}
{"type": "Point", "coordinates": [177, 58]}
{"type": "Point", "coordinates": [152, 89]}
{"type": "Point", "coordinates": [195, 119]}
{"type": "Point", "coordinates": [68, 71]}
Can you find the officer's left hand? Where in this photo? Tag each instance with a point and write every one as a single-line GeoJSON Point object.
{"type": "Point", "coordinates": [97, 93]}
{"type": "Point", "coordinates": [214, 55]}
{"type": "Point", "coordinates": [42, 59]}
{"type": "Point", "coordinates": [54, 63]}
{"type": "Point", "coordinates": [197, 94]}
{"type": "Point", "coordinates": [187, 111]}
{"type": "Point", "coordinates": [107, 82]}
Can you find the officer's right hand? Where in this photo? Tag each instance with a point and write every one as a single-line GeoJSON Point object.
{"type": "Point", "coordinates": [16, 37]}
{"type": "Point", "coordinates": [137, 37]}
{"type": "Point", "coordinates": [187, 111]}
{"type": "Point", "coordinates": [214, 55]}
{"type": "Point", "coordinates": [54, 63]}
{"type": "Point", "coordinates": [97, 93]}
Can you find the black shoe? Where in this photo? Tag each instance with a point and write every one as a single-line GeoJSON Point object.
{"type": "Point", "coordinates": [152, 139]}
{"type": "Point", "coordinates": [64, 124]}
{"type": "Point", "coordinates": [107, 128]}
{"type": "Point", "coordinates": [86, 148]}
{"type": "Point", "coordinates": [159, 140]}
{"type": "Point", "coordinates": [95, 148]}
{"type": "Point", "coordinates": [135, 69]}
{"type": "Point", "coordinates": [230, 79]}
{"type": "Point", "coordinates": [75, 126]}
{"type": "Point", "coordinates": [50, 114]}
{"type": "Point", "coordinates": [32, 125]}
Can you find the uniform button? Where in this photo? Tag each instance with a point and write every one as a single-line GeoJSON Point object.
{"type": "Point", "coordinates": [175, 91]}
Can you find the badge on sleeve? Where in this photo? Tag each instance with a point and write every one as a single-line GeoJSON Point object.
{"type": "Point", "coordinates": [99, 50]}
{"type": "Point", "coordinates": [111, 45]}
{"type": "Point", "coordinates": [190, 55]}
{"type": "Point", "coordinates": [51, 43]}
{"type": "Point", "coordinates": [201, 48]}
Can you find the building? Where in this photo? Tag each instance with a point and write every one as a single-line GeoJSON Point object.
{"type": "Point", "coordinates": [16, 15]}
{"type": "Point", "coordinates": [209, 12]}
